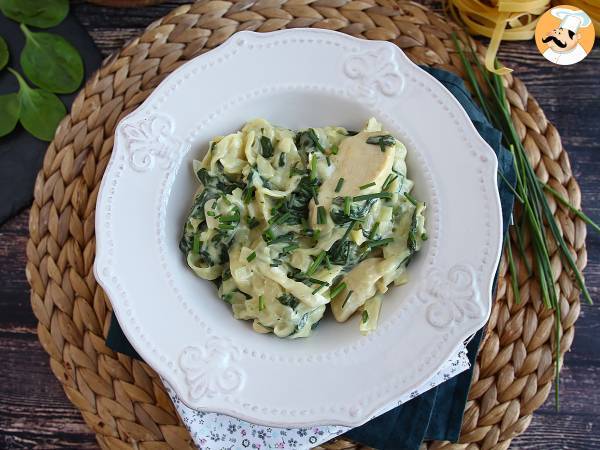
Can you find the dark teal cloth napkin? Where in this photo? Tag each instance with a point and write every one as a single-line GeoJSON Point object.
{"type": "Point", "coordinates": [436, 414]}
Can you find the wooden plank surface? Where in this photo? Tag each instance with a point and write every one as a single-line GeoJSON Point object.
{"type": "Point", "coordinates": [35, 413]}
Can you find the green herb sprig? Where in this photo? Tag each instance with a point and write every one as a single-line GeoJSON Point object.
{"type": "Point", "coordinates": [335, 290]}
{"type": "Point", "coordinates": [383, 141]}
{"type": "Point", "coordinates": [529, 196]}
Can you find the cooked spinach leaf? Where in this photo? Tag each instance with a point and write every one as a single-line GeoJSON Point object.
{"type": "Point", "coordinates": [308, 141]}
{"type": "Point", "coordinates": [345, 252]}
{"type": "Point", "coordinates": [215, 186]}
{"type": "Point", "coordinates": [282, 159]}
{"type": "Point", "coordinates": [294, 208]}
{"type": "Point", "coordinates": [302, 322]}
{"type": "Point", "coordinates": [287, 299]}
{"type": "Point", "coordinates": [343, 212]}
{"type": "Point", "coordinates": [266, 147]}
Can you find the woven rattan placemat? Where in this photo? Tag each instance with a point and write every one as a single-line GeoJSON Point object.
{"type": "Point", "coordinates": [123, 400]}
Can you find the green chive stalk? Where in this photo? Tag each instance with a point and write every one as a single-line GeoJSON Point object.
{"type": "Point", "coordinates": [530, 196]}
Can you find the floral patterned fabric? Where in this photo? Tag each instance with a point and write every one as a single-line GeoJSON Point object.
{"type": "Point", "coordinates": [214, 431]}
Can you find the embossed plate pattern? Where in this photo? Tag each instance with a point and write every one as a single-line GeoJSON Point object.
{"type": "Point", "coordinates": [295, 78]}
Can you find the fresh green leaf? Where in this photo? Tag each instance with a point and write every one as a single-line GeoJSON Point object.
{"type": "Point", "coordinates": [3, 53]}
{"type": "Point", "coordinates": [40, 111]}
{"type": "Point", "coordinates": [37, 13]}
{"type": "Point", "coordinates": [51, 62]}
{"type": "Point", "coordinates": [9, 113]}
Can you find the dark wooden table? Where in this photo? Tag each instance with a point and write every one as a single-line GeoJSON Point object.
{"type": "Point", "coordinates": [34, 411]}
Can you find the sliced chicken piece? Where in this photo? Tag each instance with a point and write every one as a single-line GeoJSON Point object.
{"type": "Point", "coordinates": [358, 163]}
{"type": "Point", "coordinates": [362, 281]}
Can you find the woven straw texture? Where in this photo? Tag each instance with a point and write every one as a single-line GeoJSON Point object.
{"type": "Point", "coordinates": [123, 400]}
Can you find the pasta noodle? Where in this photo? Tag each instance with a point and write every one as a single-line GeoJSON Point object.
{"type": "Point", "coordinates": [511, 20]}
{"type": "Point", "coordinates": [288, 222]}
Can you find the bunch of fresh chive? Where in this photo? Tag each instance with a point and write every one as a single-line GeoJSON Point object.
{"type": "Point", "coordinates": [536, 214]}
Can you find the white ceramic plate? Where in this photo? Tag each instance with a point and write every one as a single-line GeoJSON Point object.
{"type": "Point", "coordinates": [295, 78]}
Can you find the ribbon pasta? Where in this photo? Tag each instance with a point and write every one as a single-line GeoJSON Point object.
{"type": "Point", "coordinates": [511, 20]}
{"type": "Point", "coordinates": [283, 229]}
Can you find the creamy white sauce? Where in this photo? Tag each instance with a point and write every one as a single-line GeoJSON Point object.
{"type": "Point", "coordinates": [247, 228]}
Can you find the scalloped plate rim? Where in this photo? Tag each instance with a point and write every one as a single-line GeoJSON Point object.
{"type": "Point", "coordinates": [110, 289]}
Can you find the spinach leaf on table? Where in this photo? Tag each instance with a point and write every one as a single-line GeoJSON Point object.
{"type": "Point", "coordinates": [9, 113]}
{"type": "Point", "coordinates": [51, 62]}
{"type": "Point", "coordinates": [3, 53]}
{"type": "Point", "coordinates": [40, 111]}
{"type": "Point", "coordinates": [38, 13]}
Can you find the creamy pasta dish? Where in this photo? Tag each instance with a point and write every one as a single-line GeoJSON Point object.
{"type": "Point", "coordinates": [287, 222]}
